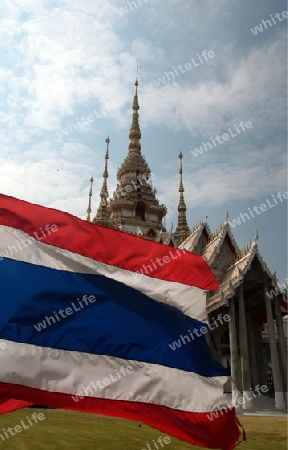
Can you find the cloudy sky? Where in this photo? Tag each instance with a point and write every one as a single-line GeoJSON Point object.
{"type": "Point", "coordinates": [63, 61]}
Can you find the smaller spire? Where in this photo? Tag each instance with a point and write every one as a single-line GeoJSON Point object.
{"type": "Point", "coordinates": [102, 217]}
{"type": "Point", "coordinates": [104, 191]}
{"type": "Point", "coordinates": [89, 209]}
{"type": "Point", "coordinates": [182, 231]}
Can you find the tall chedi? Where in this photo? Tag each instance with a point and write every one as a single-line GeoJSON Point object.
{"type": "Point", "coordinates": [134, 207]}
{"type": "Point", "coordinates": [182, 230]}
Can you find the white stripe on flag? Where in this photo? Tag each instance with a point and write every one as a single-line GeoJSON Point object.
{"type": "Point", "coordinates": [32, 366]}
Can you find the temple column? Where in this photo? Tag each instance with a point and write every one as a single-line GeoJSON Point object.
{"type": "Point", "coordinates": [281, 344]}
{"type": "Point", "coordinates": [276, 372]}
{"type": "Point", "coordinates": [253, 355]}
{"type": "Point", "coordinates": [234, 357]}
{"type": "Point", "coordinates": [260, 357]}
{"type": "Point", "coordinates": [244, 352]}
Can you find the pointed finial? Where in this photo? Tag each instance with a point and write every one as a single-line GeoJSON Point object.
{"type": "Point", "coordinates": [181, 188]}
{"type": "Point", "coordinates": [135, 133]}
{"type": "Point", "coordinates": [89, 209]}
{"type": "Point", "coordinates": [137, 68]}
{"type": "Point", "coordinates": [256, 236]}
{"type": "Point", "coordinates": [107, 140]}
{"type": "Point", "coordinates": [227, 216]}
{"type": "Point", "coordinates": [182, 230]}
{"type": "Point", "coordinates": [104, 191]}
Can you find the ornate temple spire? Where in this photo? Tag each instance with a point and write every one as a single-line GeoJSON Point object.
{"type": "Point", "coordinates": [182, 231]}
{"type": "Point", "coordinates": [134, 206]}
{"type": "Point", "coordinates": [103, 217]}
{"type": "Point", "coordinates": [135, 133]}
{"type": "Point", "coordinates": [89, 209]}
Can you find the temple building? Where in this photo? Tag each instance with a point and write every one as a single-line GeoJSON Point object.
{"type": "Point", "coordinates": [252, 343]}
{"type": "Point", "coordinates": [133, 207]}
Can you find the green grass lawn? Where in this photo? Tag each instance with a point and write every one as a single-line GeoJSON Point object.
{"type": "Point", "coordinates": [76, 431]}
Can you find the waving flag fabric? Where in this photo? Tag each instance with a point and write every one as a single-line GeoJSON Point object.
{"type": "Point", "coordinates": [87, 316]}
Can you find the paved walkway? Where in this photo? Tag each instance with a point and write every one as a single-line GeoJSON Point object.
{"type": "Point", "coordinates": [261, 413]}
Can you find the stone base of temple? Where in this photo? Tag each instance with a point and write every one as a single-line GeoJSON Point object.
{"type": "Point", "coordinates": [258, 404]}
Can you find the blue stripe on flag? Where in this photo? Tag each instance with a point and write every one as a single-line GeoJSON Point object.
{"type": "Point", "coordinates": [122, 322]}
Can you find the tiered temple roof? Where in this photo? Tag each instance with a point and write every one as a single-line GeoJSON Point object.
{"type": "Point", "coordinates": [234, 276]}
{"type": "Point", "coordinates": [199, 236]}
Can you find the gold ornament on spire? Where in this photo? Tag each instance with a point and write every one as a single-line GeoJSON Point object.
{"type": "Point", "coordinates": [104, 191]}
{"type": "Point", "coordinates": [182, 231]}
{"type": "Point", "coordinates": [135, 133]}
{"type": "Point", "coordinates": [89, 209]}
{"type": "Point", "coordinates": [181, 188]}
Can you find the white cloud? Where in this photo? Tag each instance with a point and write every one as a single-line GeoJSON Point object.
{"type": "Point", "coordinates": [248, 94]}
{"type": "Point", "coordinates": [61, 60]}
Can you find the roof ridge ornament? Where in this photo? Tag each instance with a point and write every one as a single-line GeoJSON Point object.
{"type": "Point", "coordinates": [256, 236]}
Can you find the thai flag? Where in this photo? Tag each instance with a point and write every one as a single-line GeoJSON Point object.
{"type": "Point", "coordinates": [87, 316]}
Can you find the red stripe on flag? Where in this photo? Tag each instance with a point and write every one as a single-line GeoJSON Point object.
{"type": "Point", "coordinates": [11, 405]}
{"type": "Point", "coordinates": [111, 247]}
{"type": "Point", "coordinates": [196, 428]}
